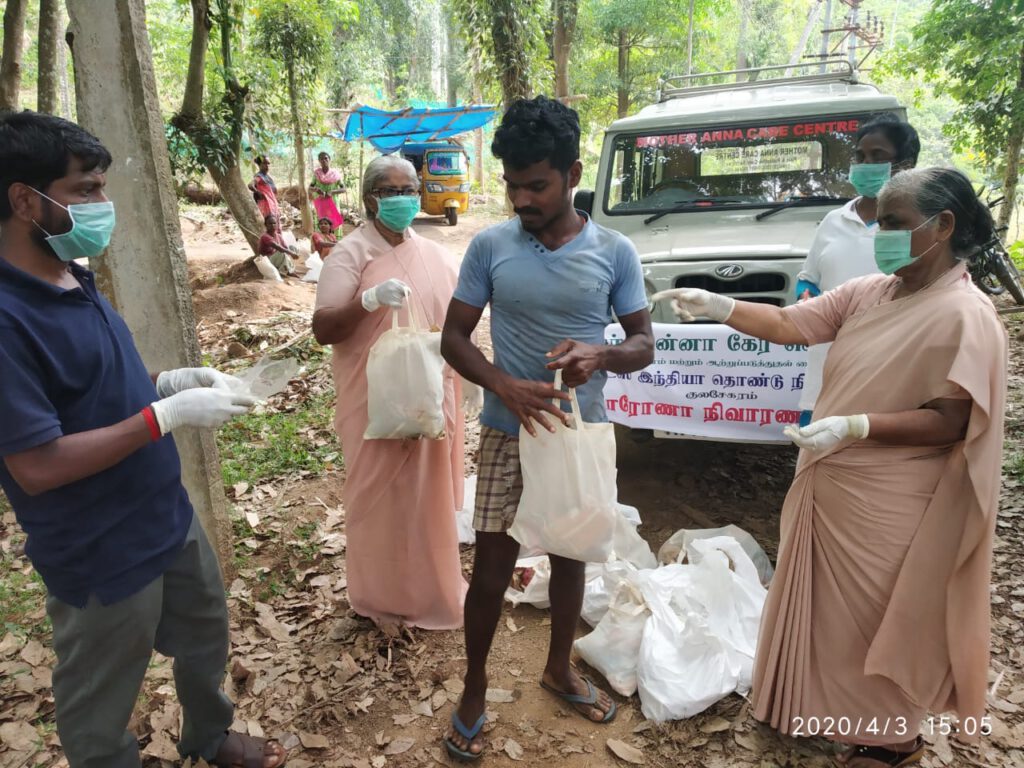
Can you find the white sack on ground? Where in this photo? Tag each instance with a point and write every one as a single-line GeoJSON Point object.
{"type": "Point", "coordinates": [614, 646]}
{"type": "Point", "coordinates": [313, 266]}
{"type": "Point", "coordinates": [267, 270]}
{"type": "Point", "coordinates": [674, 550]}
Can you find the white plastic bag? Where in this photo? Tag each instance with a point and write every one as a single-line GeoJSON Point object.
{"type": "Point", "coordinates": [683, 667]}
{"type": "Point", "coordinates": [268, 270]}
{"type": "Point", "coordinates": [568, 505]}
{"type": "Point", "coordinates": [613, 648]}
{"type": "Point", "coordinates": [464, 516]}
{"type": "Point", "coordinates": [405, 383]}
{"type": "Point", "coordinates": [268, 377]}
{"type": "Point", "coordinates": [536, 592]}
{"type": "Point", "coordinates": [674, 550]}
{"type": "Point", "coordinates": [629, 545]}
{"type": "Point", "coordinates": [313, 266]}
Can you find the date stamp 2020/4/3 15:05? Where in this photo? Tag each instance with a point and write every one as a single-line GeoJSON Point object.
{"type": "Point", "coordinates": [894, 726]}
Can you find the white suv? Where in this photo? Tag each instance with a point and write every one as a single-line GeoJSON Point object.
{"type": "Point", "coordinates": [721, 185]}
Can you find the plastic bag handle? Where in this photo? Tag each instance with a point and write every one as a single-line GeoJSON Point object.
{"type": "Point", "coordinates": [412, 315]}
{"type": "Point", "coordinates": [573, 401]}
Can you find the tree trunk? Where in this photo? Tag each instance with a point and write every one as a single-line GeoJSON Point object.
{"type": "Point", "coordinates": [623, 86]}
{"type": "Point", "coordinates": [62, 74]}
{"type": "Point", "coordinates": [478, 135]}
{"type": "Point", "coordinates": [300, 152]}
{"type": "Point", "coordinates": [451, 62]}
{"type": "Point", "coordinates": [49, 40]}
{"type": "Point", "coordinates": [238, 198]}
{"type": "Point", "coordinates": [565, 30]}
{"type": "Point", "coordinates": [14, 49]}
{"type": "Point", "coordinates": [742, 59]}
{"type": "Point", "coordinates": [1013, 146]}
{"type": "Point", "coordinates": [510, 51]}
{"type": "Point", "coordinates": [191, 121]}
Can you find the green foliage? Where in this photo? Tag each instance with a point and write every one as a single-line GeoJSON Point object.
{"type": "Point", "coordinates": [259, 446]}
{"type": "Point", "coordinates": [21, 590]}
{"type": "Point", "coordinates": [509, 38]}
{"type": "Point", "coordinates": [1016, 251]}
{"type": "Point", "coordinates": [973, 52]}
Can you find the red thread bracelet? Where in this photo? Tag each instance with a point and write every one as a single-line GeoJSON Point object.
{"type": "Point", "coordinates": [151, 422]}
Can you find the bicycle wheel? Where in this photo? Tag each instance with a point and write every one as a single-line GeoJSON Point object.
{"type": "Point", "coordinates": [1008, 275]}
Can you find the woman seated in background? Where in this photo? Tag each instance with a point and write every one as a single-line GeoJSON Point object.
{"type": "Point", "coordinates": [324, 240]}
{"type": "Point", "coordinates": [879, 610]}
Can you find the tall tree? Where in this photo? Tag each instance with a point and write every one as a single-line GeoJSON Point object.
{"type": "Point", "coordinates": [634, 27]}
{"type": "Point", "coordinates": [49, 42]}
{"type": "Point", "coordinates": [564, 13]}
{"type": "Point", "coordinates": [13, 51]}
{"type": "Point", "coordinates": [217, 136]}
{"type": "Point", "coordinates": [974, 51]}
{"type": "Point", "coordinates": [510, 22]}
{"type": "Point", "coordinates": [298, 33]}
{"type": "Point", "coordinates": [454, 61]}
{"type": "Point", "coordinates": [509, 36]}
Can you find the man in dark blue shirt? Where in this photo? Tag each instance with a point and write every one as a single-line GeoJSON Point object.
{"type": "Point", "coordinates": [92, 472]}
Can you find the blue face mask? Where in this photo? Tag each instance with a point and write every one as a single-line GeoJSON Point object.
{"type": "Point", "coordinates": [89, 236]}
{"type": "Point", "coordinates": [892, 248]}
{"type": "Point", "coordinates": [396, 213]}
{"type": "Point", "coordinates": [869, 178]}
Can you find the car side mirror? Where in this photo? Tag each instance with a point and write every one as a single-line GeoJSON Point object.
{"type": "Point", "coordinates": [584, 201]}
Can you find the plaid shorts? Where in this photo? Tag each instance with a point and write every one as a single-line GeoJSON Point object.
{"type": "Point", "coordinates": [499, 481]}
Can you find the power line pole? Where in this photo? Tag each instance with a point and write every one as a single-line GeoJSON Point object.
{"type": "Point", "coordinates": [689, 43]}
{"type": "Point", "coordinates": [826, 25]}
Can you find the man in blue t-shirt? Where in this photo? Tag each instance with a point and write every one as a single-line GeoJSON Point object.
{"type": "Point", "coordinates": [91, 471]}
{"type": "Point", "coordinates": [552, 278]}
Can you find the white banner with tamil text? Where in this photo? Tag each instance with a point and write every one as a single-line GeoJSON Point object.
{"type": "Point", "coordinates": [709, 381]}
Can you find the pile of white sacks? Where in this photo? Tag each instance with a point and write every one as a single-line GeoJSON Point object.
{"type": "Point", "coordinates": [680, 628]}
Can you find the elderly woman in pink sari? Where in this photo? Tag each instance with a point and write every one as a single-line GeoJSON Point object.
{"type": "Point", "coordinates": [264, 191]}
{"type": "Point", "coordinates": [400, 496]}
{"type": "Point", "coordinates": [879, 611]}
{"type": "Point", "coordinates": [325, 185]}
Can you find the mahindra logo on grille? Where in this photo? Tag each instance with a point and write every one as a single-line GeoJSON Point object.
{"type": "Point", "coordinates": [729, 271]}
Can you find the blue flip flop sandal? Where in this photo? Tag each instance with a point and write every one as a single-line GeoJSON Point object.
{"type": "Point", "coordinates": [590, 699]}
{"type": "Point", "coordinates": [469, 734]}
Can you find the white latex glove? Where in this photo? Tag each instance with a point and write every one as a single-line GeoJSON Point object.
{"type": "Point", "coordinates": [390, 293]}
{"type": "Point", "coordinates": [472, 399]}
{"type": "Point", "coordinates": [692, 303]}
{"type": "Point", "coordinates": [180, 379]}
{"type": "Point", "coordinates": [827, 433]}
{"type": "Point", "coordinates": [200, 407]}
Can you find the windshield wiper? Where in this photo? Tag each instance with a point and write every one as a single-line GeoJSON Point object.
{"type": "Point", "coordinates": [685, 205]}
{"type": "Point", "coordinates": [797, 202]}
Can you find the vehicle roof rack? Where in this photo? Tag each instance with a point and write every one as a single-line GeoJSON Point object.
{"type": "Point", "coordinates": [836, 71]}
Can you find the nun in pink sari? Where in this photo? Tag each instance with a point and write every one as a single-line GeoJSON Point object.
{"type": "Point", "coordinates": [325, 185]}
{"type": "Point", "coordinates": [878, 614]}
{"type": "Point", "coordinates": [400, 496]}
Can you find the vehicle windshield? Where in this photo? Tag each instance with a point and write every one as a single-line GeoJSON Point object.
{"type": "Point", "coordinates": [746, 165]}
{"type": "Point", "coordinates": [446, 163]}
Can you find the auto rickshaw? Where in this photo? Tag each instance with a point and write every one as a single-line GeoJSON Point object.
{"type": "Point", "coordinates": [443, 168]}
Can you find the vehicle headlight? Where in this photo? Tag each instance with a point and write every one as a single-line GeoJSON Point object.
{"type": "Point", "coordinates": [464, 186]}
{"type": "Point", "coordinates": [433, 186]}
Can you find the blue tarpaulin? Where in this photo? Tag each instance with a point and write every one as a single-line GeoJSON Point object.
{"type": "Point", "coordinates": [387, 131]}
